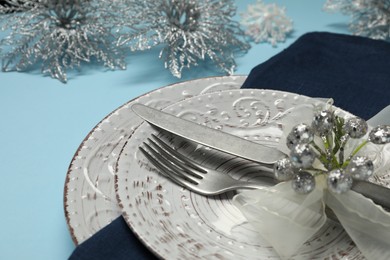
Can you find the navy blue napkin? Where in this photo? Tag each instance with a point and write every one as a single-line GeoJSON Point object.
{"type": "Point", "coordinates": [115, 241]}
{"type": "Point", "coordinates": [354, 71]}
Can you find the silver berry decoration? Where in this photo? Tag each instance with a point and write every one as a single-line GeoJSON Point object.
{"type": "Point", "coordinates": [360, 167]}
{"type": "Point", "coordinates": [334, 132]}
{"type": "Point", "coordinates": [323, 122]}
{"type": "Point", "coordinates": [380, 135]}
{"type": "Point", "coordinates": [356, 127]}
{"type": "Point", "coordinates": [301, 133]}
{"type": "Point", "coordinates": [338, 181]}
{"type": "Point", "coordinates": [302, 156]}
{"type": "Point", "coordinates": [303, 183]}
{"type": "Point", "coordinates": [283, 169]}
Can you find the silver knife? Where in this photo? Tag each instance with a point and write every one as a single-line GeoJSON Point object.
{"type": "Point", "coordinates": [240, 147]}
{"type": "Point", "coordinates": [207, 136]}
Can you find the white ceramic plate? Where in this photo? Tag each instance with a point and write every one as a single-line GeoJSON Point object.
{"type": "Point", "coordinates": [89, 194]}
{"type": "Point", "coordinates": [178, 224]}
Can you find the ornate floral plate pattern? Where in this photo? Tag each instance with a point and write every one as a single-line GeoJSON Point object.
{"type": "Point", "coordinates": [178, 224]}
{"type": "Point", "coordinates": [89, 194]}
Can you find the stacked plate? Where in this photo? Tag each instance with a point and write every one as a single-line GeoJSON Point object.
{"type": "Point", "coordinates": [109, 177]}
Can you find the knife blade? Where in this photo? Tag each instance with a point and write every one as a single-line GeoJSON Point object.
{"type": "Point", "coordinates": [207, 136]}
{"type": "Point", "coordinates": [240, 147]}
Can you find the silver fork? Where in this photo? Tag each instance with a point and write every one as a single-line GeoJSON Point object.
{"type": "Point", "coordinates": [185, 172]}
{"type": "Point", "coordinates": [200, 179]}
{"type": "Point", "coordinates": [207, 181]}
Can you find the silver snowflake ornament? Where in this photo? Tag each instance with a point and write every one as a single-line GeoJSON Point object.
{"type": "Point", "coordinates": [190, 31]}
{"type": "Point", "coordinates": [369, 18]}
{"type": "Point", "coordinates": [266, 23]}
{"type": "Point", "coordinates": [61, 34]}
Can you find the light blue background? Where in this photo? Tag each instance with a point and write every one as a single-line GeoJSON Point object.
{"type": "Point", "coordinates": [43, 122]}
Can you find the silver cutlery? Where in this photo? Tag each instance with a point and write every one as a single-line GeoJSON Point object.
{"type": "Point", "coordinates": [185, 172]}
{"type": "Point", "coordinates": [200, 179]}
{"type": "Point", "coordinates": [208, 136]}
{"type": "Point", "coordinates": [242, 148]}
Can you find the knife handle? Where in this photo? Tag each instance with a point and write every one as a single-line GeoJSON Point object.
{"type": "Point", "coordinates": [379, 194]}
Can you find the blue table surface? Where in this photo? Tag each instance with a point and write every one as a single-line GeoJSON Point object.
{"type": "Point", "coordinates": [43, 122]}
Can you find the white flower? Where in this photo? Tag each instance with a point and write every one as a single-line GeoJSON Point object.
{"type": "Point", "coordinates": [266, 23]}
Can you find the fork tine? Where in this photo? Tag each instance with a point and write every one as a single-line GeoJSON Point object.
{"type": "Point", "coordinates": [167, 172]}
{"type": "Point", "coordinates": [172, 156]}
{"type": "Point", "coordinates": [172, 159]}
{"type": "Point", "coordinates": [166, 160]}
{"type": "Point", "coordinates": [177, 154]}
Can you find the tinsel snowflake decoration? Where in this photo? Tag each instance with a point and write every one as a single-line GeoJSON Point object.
{"type": "Point", "coordinates": [190, 31]}
{"type": "Point", "coordinates": [370, 18]}
{"type": "Point", "coordinates": [61, 34]}
{"type": "Point", "coordinates": [266, 23]}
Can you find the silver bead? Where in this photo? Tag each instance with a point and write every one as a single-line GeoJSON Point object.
{"type": "Point", "coordinates": [303, 183]}
{"type": "Point", "coordinates": [356, 127]}
{"type": "Point", "coordinates": [323, 122]}
{"type": "Point", "coordinates": [302, 156]}
{"type": "Point", "coordinates": [339, 182]}
{"type": "Point", "coordinates": [380, 135]}
{"type": "Point", "coordinates": [360, 168]}
{"type": "Point", "coordinates": [283, 169]}
{"type": "Point", "coordinates": [301, 133]}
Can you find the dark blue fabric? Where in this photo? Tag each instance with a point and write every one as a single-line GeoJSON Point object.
{"type": "Point", "coordinates": [355, 71]}
{"type": "Point", "coordinates": [115, 241]}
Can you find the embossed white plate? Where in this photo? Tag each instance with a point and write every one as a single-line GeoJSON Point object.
{"type": "Point", "coordinates": [89, 194]}
{"type": "Point", "coordinates": [178, 224]}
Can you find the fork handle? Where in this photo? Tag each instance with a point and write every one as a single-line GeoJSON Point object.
{"type": "Point", "coordinates": [258, 184]}
{"type": "Point", "coordinates": [377, 193]}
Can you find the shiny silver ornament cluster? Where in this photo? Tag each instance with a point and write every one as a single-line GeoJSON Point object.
{"type": "Point", "coordinates": [324, 142]}
{"type": "Point", "coordinates": [339, 181]}
{"type": "Point", "coordinates": [283, 169]}
{"type": "Point", "coordinates": [360, 167]}
{"type": "Point", "coordinates": [323, 122]}
{"type": "Point", "coordinates": [302, 156]}
{"type": "Point", "coordinates": [303, 182]}
{"type": "Point", "coordinates": [369, 18]}
{"type": "Point", "coordinates": [61, 35]}
{"type": "Point", "coordinates": [300, 134]}
{"type": "Point", "coordinates": [356, 127]}
{"type": "Point", "coordinates": [380, 134]}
